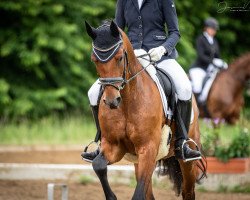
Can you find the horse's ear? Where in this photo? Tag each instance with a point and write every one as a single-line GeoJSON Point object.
{"type": "Point", "coordinates": [90, 30]}
{"type": "Point", "coordinates": [114, 29]}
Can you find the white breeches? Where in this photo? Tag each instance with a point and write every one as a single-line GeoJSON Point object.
{"type": "Point", "coordinates": [93, 93]}
{"type": "Point", "coordinates": [197, 76]}
{"type": "Point", "coordinates": [180, 78]}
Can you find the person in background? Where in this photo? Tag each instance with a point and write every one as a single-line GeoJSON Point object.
{"type": "Point", "coordinates": [208, 56]}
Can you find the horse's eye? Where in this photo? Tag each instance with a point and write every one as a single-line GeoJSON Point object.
{"type": "Point", "coordinates": [119, 61]}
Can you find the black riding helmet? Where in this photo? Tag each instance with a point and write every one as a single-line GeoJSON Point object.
{"type": "Point", "coordinates": [212, 23]}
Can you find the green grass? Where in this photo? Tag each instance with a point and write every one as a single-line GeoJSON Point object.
{"type": "Point", "coordinates": [73, 129]}
{"type": "Point", "coordinates": [77, 129]}
{"type": "Point", "coordinates": [245, 188]}
{"type": "Point", "coordinates": [86, 179]}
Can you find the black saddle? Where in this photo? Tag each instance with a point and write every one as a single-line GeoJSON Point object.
{"type": "Point", "coordinates": [168, 87]}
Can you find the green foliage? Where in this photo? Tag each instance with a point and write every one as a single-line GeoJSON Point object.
{"type": "Point", "coordinates": [234, 26]}
{"type": "Point", "coordinates": [226, 142]}
{"type": "Point", "coordinates": [44, 55]}
{"type": "Point", "coordinates": [45, 51]}
{"type": "Point", "coordinates": [238, 148]}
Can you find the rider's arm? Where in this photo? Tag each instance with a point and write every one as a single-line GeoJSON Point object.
{"type": "Point", "coordinates": [119, 14]}
{"type": "Point", "coordinates": [171, 19]}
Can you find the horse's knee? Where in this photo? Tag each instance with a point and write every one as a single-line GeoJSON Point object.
{"type": "Point", "coordinates": [100, 164]}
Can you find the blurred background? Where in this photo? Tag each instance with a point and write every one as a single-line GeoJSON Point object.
{"type": "Point", "coordinates": [46, 71]}
{"type": "Point", "coordinates": [45, 67]}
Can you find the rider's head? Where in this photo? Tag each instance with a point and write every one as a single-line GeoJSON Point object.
{"type": "Point", "coordinates": [211, 26]}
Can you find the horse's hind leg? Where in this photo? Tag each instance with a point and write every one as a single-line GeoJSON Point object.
{"type": "Point", "coordinates": [189, 178]}
{"type": "Point", "coordinates": [100, 167]}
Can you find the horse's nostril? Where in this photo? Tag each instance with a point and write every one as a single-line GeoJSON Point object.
{"type": "Point", "coordinates": [118, 99]}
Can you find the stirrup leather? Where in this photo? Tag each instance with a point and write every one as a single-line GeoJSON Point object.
{"type": "Point", "coordinates": [182, 152]}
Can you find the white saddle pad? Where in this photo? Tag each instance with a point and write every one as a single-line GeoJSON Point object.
{"type": "Point", "coordinates": [163, 148]}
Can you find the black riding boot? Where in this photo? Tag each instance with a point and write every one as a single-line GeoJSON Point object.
{"type": "Point", "coordinates": [90, 156]}
{"type": "Point", "coordinates": [182, 150]}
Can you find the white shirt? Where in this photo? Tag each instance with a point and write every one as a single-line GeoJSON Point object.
{"type": "Point", "coordinates": [140, 3]}
{"type": "Point", "coordinates": [210, 39]}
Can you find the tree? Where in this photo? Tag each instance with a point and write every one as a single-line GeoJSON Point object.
{"type": "Point", "coordinates": [45, 52]}
{"type": "Point", "coordinates": [44, 55]}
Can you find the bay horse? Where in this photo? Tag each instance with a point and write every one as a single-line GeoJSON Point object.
{"type": "Point", "coordinates": [131, 117]}
{"type": "Point", "coordinates": [225, 98]}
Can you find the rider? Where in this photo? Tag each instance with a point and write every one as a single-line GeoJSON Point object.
{"type": "Point", "coordinates": [146, 21]}
{"type": "Point", "coordinates": [208, 55]}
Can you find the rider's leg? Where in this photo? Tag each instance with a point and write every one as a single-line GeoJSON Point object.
{"type": "Point", "coordinates": [94, 94]}
{"type": "Point", "coordinates": [184, 106]}
{"type": "Point", "coordinates": [197, 76]}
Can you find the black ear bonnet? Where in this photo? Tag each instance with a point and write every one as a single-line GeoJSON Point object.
{"type": "Point", "coordinates": [106, 40]}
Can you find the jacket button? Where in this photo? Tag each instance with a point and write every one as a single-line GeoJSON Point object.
{"type": "Point", "coordinates": [139, 17]}
{"type": "Point", "coordinates": [140, 26]}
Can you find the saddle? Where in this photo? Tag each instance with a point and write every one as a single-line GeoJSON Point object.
{"type": "Point", "coordinates": [167, 86]}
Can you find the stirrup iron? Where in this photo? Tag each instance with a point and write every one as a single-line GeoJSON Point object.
{"type": "Point", "coordinates": [86, 149]}
{"type": "Point", "coordinates": [197, 148]}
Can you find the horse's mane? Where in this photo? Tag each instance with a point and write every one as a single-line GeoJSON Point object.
{"type": "Point", "coordinates": [106, 22]}
{"type": "Point", "coordinates": [242, 61]}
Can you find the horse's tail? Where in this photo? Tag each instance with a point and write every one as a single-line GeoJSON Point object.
{"type": "Point", "coordinates": [172, 169]}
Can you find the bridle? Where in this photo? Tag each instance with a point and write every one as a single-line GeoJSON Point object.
{"type": "Point", "coordinates": [113, 81]}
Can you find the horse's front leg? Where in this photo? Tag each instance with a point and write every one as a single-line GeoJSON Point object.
{"type": "Point", "coordinates": [149, 194]}
{"type": "Point", "coordinates": [189, 178]}
{"type": "Point", "coordinates": [144, 170]}
{"type": "Point", "coordinates": [100, 167]}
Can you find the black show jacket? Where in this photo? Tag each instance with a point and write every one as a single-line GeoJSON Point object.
{"type": "Point", "coordinates": [146, 26]}
{"type": "Point", "coordinates": [206, 52]}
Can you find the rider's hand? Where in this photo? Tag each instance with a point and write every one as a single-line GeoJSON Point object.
{"type": "Point", "coordinates": [219, 63]}
{"type": "Point", "coordinates": [157, 53]}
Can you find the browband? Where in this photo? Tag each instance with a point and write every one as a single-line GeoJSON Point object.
{"type": "Point", "coordinates": [105, 55]}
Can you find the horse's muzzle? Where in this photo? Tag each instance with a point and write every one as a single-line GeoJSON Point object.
{"type": "Point", "coordinates": [113, 104]}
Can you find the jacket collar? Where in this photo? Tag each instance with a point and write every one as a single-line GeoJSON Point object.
{"type": "Point", "coordinates": [135, 2]}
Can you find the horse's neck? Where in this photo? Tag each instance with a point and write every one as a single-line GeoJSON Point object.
{"type": "Point", "coordinates": [240, 74]}
{"type": "Point", "coordinates": [134, 87]}
{"type": "Point", "coordinates": [240, 69]}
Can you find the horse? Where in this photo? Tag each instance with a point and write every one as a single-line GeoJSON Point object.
{"type": "Point", "coordinates": [131, 118]}
{"type": "Point", "coordinates": [225, 98]}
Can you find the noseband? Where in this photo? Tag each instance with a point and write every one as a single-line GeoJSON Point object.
{"type": "Point", "coordinates": [113, 81]}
